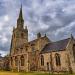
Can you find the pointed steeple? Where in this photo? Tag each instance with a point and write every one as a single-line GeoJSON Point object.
{"type": "Point", "coordinates": [20, 14]}
{"type": "Point", "coordinates": [20, 21]}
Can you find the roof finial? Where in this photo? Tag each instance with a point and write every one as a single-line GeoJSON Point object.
{"type": "Point", "coordinates": [71, 35]}
{"type": "Point", "coordinates": [45, 35]}
{"type": "Point", "coordinates": [38, 35]}
{"type": "Point", "coordinates": [21, 5]}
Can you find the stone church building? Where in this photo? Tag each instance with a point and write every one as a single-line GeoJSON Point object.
{"type": "Point", "coordinates": [40, 54]}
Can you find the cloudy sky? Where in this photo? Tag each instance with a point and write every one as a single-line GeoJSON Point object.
{"type": "Point", "coordinates": [56, 18]}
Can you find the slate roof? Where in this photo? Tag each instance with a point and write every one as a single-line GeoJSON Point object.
{"type": "Point", "coordinates": [55, 46]}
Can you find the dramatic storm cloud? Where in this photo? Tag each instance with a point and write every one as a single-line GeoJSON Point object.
{"type": "Point", "coordinates": [56, 18]}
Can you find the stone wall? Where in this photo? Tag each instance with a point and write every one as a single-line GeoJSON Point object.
{"type": "Point", "coordinates": [49, 59]}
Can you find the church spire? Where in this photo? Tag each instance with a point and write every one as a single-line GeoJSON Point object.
{"type": "Point", "coordinates": [20, 14]}
{"type": "Point", "coordinates": [20, 21]}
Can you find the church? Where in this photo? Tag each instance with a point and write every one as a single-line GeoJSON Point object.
{"type": "Point", "coordinates": [40, 54]}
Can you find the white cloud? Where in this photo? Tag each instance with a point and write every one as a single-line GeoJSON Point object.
{"type": "Point", "coordinates": [69, 9]}
{"type": "Point", "coordinates": [3, 39]}
{"type": "Point", "coordinates": [3, 53]}
{"type": "Point", "coordinates": [65, 29]}
{"type": "Point", "coordinates": [1, 24]}
{"type": "Point", "coordinates": [60, 13]}
{"type": "Point", "coordinates": [6, 18]}
{"type": "Point", "coordinates": [43, 26]}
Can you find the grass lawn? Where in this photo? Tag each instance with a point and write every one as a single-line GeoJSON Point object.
{"type": "Point", "coordinates": [35, 73]}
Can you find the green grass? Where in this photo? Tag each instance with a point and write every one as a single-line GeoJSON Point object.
{"type": "Point", "coordinates": [29, 73]}
{"type": "Point", "coordinates": [42, 74]}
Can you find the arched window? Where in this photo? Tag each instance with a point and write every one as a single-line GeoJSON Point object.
{"type": "Point", "coordinates": [57, 57]}
{"type": "Point", "coordinates": [22, 60]}
{"type": "Point", "coordinates": [42, 60]}
{"type": "Point", "coordinates": [16, 61]}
